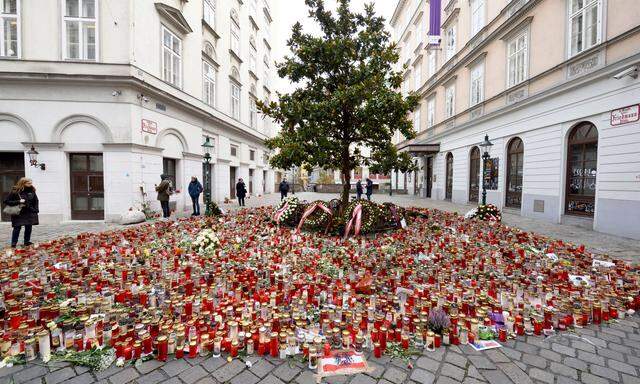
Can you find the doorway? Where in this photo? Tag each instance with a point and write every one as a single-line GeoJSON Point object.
{"type": "Point", "coordinates": [448, 193]}
{"type": "Point", "coordinates": [232, 181]}
{"type": "Point", "coordinates": [515, 161]}
{"type": "Point", "coordinates": [11, 170]}
{"type": "Point", "coordinates": [87, 186]}
{"type": "Point", "coordinates": [250, 181]}
{"type": "Point", "coordinates": [429, 175]}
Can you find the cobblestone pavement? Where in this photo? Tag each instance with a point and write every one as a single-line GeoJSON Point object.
{"type": "Point", "coordinates": [591, 355]}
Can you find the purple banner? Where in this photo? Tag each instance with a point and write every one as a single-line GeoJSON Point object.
{"type": "Point", "coordinates": [434, 21]}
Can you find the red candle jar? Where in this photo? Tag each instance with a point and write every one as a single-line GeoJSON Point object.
{"type": "Point", "coordinates": [597, 313]}
{"type": "Point", "coordinates": [377, 350]}
{"type": "Point", "coordinates": [383, 338]}
{"type": "Point", "coordinates": [405, 342]}
{"type": "Point", "coordinates": [147, 345]}
{"type": "Point", "coordinates": [327, 349]}
{"type": "Point", "coordinates": [163, 345]}
{"type": "Point", "coordinates": [502, 334]}
{"type": "Point", "coordinates": [537, 328]}
{"type": "Point", "coordinates": [234, 348]}
{"type": "Point", "coordinates": [179, 351]}
{"type": "Point", "coordinates": [374, 335]}
{"type": "Point", "coordinates": [193, 349]}
{"type": "Point", "coordinates": [437, 340]}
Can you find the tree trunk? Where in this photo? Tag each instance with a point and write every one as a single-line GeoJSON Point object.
{"type": "Point", "coordinates": [346, 189]}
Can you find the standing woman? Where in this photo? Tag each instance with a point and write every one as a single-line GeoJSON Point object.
{"type": "Point", "coordinates": [241, 192]}
{"type": "Point", "coordinates": [23, 195]}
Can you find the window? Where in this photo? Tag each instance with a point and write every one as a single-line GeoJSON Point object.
{"type": "Point", "coordinates": [582, 169]}
{"type": "Point", "coordinates": [235, 32]}
{"type": "Point", "coordinates": [209, 84]}
{"type": "Point", "coordinates": [431, 112]}
{"type": "Point", "coordinates": [449, 101]}
{"type": "Point", "coordinates": [252, 155]}
{"type": "Point", "coordinates": [209, 14]}
{"type": "Point", "coordinates": [477, 84]}
{"type": "Point", "coordinates": [450, 42]}
{"type": "Point", "coordinates": [171, 57]}
{"type": "Point", "coordinates": [416, 119]}
{"type": "Point", "coordinates": [477, 16]}
{"type": "Point", "coordinates": [253, 6]}
{"type": "Point", "coordinates": [405, 86]}
{"type": "Point", "coordinates": [253, 113]}
{"type": "Point", "coordinates": [517, 58]}
{"type": "Point", "coordinates": [267, 27]}
{"type": "Point", "coordinates": [79, 29]}
{"type": "Point", "coordinates": [417, 75]}
{"type": "Point", "coordinates": [448, 193]}
{"type": "Point", "coordinates": [234, 150]}
{"type": "Point", "coordinates": [169, 169]}
{"type": "Point", "coordinates": [9, 28]}
{"type": "Point", "coordinates": [253, 60]}
{"type": "Point", "coordinates": [515, 160]}
{"type": "Point", "coordinates": [235, 100]}
{"type": "Point", "coordinates": [474, 175]}
{"type": "Point", "coordinates": [584, 24]}
{"type": "Point", "coordinates": [431, 57]}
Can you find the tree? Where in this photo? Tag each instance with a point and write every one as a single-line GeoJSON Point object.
{"type": "Point", "coordinates": [346, 97]}
{"type": "Point", "coordinates": [387, 162]}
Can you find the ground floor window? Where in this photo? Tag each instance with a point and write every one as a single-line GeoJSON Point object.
{"type": "Point", "coordinates": [169, 169]}
{"type": "Point", "coordinates": [515, 159]}
{"type": "Point", "coordinates": [87, 186]}
{"type": "Point", "coordinates": [449, 177]}
{"type": "Point", "coordinates": [582, 167]}
{"type": "Point", "coordinates": [474, 174]}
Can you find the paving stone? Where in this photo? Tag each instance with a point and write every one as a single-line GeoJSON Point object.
{"type": "Point", "coordinates": [80, 369]}
{"type": "Point", "coordinates": [383, 381]}
{"type": "Point", "coordinates": [428, 364]}
{"type": "Point", "coordinates": [541, 375]}
{"type": "Point", "coordinates": [8, 371]}
{"type": "Point", "coordinates": [451, 370]}
{"type": "Point", "coordinates": [566, 380]}
{"type": "Point", "coordinates": [576, 363]}
{"type": "Point", "coordinates": [562, 349]}
{"type": "Point", "coordinates": [534, 360]}
{"type": "Point", "coordinates": [512, 353]}
{"type": "Point", "coordinates": [421, 376]}
{"type": "Point", "coordinates": [609, 337]}
{"type": "Point", "coordinates": [514, 372]}
{"type": "Point", "coordinates": [521, 365]}
{"type": "Point", "coordinates": [446, 380]}
{"type": "Point", "coordinates": [193, 374]}
{"type": "Point", "coordinates": [286, 372]}
{"type": "Point", "coordinates": [599, 343]}
{"type": "Point", "coordinates": [85, 378]}
{"type": "Point", "coordinates": [496, 376]}
{"type": "Point", "coordinates": [604, 372]}
{"type": "Point", "coordinates": [339, 379]}
{"type": "Point", "coordinates": [245, 377]}
{"type": "Point", "coordinates": [127, 375]}
{"type": "Point", "coordinates": [59, 376]}
{"type": "Point", "coordinates": [527, 348]}
{"type": "Point", "coordinates": [175, 367]}
{"type": "Point", "coordinates": [37, 380]}
{"type": "Point", "coordinates": [584, 346]}
{"type": "Point", "coordinates": [207, 380]}
{"type": "Point", "coordinates": [550, 355]}
{"type": "Point", "coordinates": [633, 360]}
{"type": "Point", "coordinates": [437, 354]}
{"type": "Point", "coordinates": [173, 380]}
{"type": "Point", "coordinates": [620, 348]}
{"type": "Point", "coordinates": [454, 348]}
{"type": "Point", "coordinates": [270, 379]}
{"type": "Point", "coordinates": [112, 370]}
{"type": "Point", "coordinates": [497, 356]}
{"type": "Point", "coordinates": [213, 363]}
{"type": "Point", "coordinates": [148, 366]}
{"type": "Point", "coordinates": [152, 377]}
{"type": "Point", "coordinates": [626, 379]}
{"type": "Point", "coordinates": [622, 367]}
{"type": "Point", "coordinates": [590, 358]}
{"type": "Point", "coordinates": [456, 359]}
{"type": "Point", "coordinates": [307, 377]}
{"type": "Point", "coordinates": [468, 350]}
{"type": "Point", "coordinates": [377, 370]}
{"type": "Point", "coordinates": [481, 362]}
{"type": "Point", "coordinates": [632, 343]}
{"type": "Point", "coordinates": [261, 368]}
{"type": "Point", "coordinates": [613, 331]}
{"type": "Point", "coordinates": [563, 370]}
{"type": "Point", "coordinates": [471, 380]}
{"type": "Point", "coordinates": [608, 353]}
{"type": "Point", "coordinates": [362, 379]}
{"type": "Point", "coordinates": [475, 373]}
{"type": "Point", "coordinates": [588, 378]}
{"type": "Point", "coordinates": [32, 372]}
{"type": "Point", "coordinates": [394, 375]}
{"type": "Point", "coordinates": [228, 371]}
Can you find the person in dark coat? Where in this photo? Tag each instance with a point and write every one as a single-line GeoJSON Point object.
{"type": "Point", "coordinates": [195, 189]}
{"type": "Point", "coordinates": [23, 194]}
{"type": "Point", "coordinates": [358, 189]}
{"type": "Point", "coordinates": [164, 191]}
{"type": "Point", "coordinates": [369, 188]}
{"type": "Point", "coordinates": [284, 189]}
{"type": "Point", "coordinates": [241, 192]}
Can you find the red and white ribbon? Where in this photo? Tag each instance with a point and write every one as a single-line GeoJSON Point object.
{"type": "Point", "coordinates": [356, 221]}
{"type": "Point", "coordinates": [278, 215]}
{"type": "Point", "coordinates": [312, 209]}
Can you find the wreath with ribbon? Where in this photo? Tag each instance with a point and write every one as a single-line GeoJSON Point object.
{"type": "Point", "coordinates": [316, 216]}
{"type": "Point", "coordinates": [362, 216]}
{"type": "Point", "coordinates": [286, 210]}
{"type": "Point", "coordinates": [487, 212]}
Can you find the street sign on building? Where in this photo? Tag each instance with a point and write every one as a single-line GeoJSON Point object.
{"type": "Point", "coordinates": [625, 115]}
{"type": "Point", "coordinates": [149, 126]}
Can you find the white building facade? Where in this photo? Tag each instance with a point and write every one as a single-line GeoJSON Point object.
{"type": "Point", "coordinates": [553, 83]}
{"type": "Point", "coordinates": [113, 93]}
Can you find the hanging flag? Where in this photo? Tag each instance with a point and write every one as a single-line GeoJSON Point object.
{"type": "Point", "coordinates": [434, 22]}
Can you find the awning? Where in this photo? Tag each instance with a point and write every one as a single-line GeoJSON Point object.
{"type": "Point", "coordinates": [420, 149]}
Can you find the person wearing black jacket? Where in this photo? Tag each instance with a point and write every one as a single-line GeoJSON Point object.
{"type": "Point", "coordinates": [284, 189]}
{"type": "Point", "coordinates": [369, 188]}
{"type": "Point", "coordinates": [358, 189]}
{"type": "Point", "coordinates": [241, 192]}
{"type": "Point", "coordinates": [23, 194]}
{"type": "Point", "coordinates": [195, 189]}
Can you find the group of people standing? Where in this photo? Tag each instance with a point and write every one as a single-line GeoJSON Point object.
{"type": "Point", "coordinates": [369, 189]}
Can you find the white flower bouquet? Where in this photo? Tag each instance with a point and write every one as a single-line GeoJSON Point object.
{"type": "Point", "coordinates": [206, 241]}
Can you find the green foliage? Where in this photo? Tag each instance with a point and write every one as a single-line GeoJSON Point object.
{"type": "Point", "coordinates": [346, 97]}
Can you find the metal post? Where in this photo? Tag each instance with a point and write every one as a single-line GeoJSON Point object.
{"type": "Point", "coordinates": [485, 157]}
{"type": "Point", "coordinates": [207, 184]}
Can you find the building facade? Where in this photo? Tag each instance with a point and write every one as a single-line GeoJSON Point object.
{"type": "Point", "coordinates": [553, 83]}
{"type": "Point", "coordinates": [114, 93]}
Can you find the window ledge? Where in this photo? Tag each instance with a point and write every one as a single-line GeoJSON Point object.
{"type": "Point", "coordinates": [235, 55]}
{"type": "Point", "coordinates": [209, 28]}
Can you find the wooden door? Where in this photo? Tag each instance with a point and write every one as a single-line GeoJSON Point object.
{"type": "Point", "coordinates": [11, 170]}
{"type": "Point", "coordinates": [582, 169]}
{"type": "Point", "coordinates": [87, 186]}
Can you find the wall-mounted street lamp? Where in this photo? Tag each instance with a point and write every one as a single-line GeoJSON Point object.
{"type": "Point", "coordinates": [485, 145]}
{"type": "Point", "coordinates": [33, 159]}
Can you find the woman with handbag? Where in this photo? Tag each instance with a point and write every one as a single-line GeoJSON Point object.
{"type": "Point", "coordinates": [22, 206]}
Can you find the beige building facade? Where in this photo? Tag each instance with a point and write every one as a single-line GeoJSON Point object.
{"type": "Point", "coordinates": [553, 83]}
{"type": "Point", "coordinates": [112, 93]}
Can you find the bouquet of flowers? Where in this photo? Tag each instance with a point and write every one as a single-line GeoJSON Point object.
{"type": "Point", "coordinates": [487, 212]}
{"type": "Point", "coordinates": [363, 215]}
{"type": "Point", "coordinates": [206, 241]}
{"type": "Point", "coordinates": [317, 216]}
{"type": "Point", "coordinates": [438, 320]}
{"type": "Point", "coordinates": [214, 210]}
{"type": "Point", "coordinates": [286, 210]}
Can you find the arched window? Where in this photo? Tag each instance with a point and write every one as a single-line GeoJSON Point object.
{"type": "Point", "coordinates": [209, 50]}
{"type": "Point", "coordinates": [582, 167]}
{"type": "Point", "coordinates": [449, 177]}
{"type": "Point", "coordinates": [235, 32]}
{"type": "Point", "coordinates": [474, 175]}
{"type": "Point", "coordinates": [235, 73]}
{"type": "Point", "coordinates": [515, 157]}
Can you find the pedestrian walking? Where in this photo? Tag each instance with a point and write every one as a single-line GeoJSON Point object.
{"type": "Point", "coordinates": [241, 191]}
{"type": "Point", "coordinates": [369, 188]}
{"type": "Point", "coordinates": [164, 191]}
{"type": "Point", "coordinates": [284, 189]}
{"type": "Point", "coordinates": [195, 189]}
{"type": "Point", "coordinates": [358, 189]}
{"type": "Point", "coordinates": [22, 205]}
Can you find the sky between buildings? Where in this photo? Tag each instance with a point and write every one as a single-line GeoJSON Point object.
{"type": "Point", "coordinates": [288, 12]}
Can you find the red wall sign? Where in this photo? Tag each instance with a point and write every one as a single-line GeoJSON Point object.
{"type": "Point", "coordinates": [625, 115]}
{"type": "Point", "coordinates": [149, 126]}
